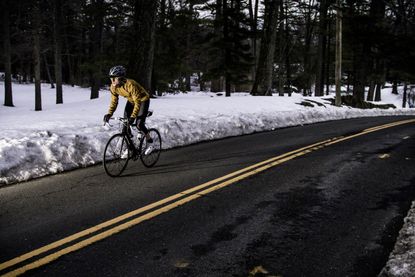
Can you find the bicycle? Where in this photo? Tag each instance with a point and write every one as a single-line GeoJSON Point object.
{"type": "Point", "coordinates": [121, 147]}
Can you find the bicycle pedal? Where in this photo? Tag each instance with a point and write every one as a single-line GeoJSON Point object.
{"type": "Point", "coordinates": [149, 150]}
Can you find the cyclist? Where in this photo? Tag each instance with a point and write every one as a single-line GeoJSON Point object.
{"type": "Point", "coordinates": [138, 99]}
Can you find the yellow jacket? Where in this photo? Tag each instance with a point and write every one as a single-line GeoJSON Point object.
{"type": "Point", "coordinates": [134, 93]}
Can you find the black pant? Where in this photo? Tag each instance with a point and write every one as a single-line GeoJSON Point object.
{"type": "Point", "coordinates": [142, 114]}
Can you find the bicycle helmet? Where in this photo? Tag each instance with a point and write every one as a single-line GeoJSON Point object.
{"type": "Point", "coordinates": [117, 71]}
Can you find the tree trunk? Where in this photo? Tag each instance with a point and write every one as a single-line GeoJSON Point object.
{"type": "Point", "coordinates": [339, 55]}
{"type": "Point", "coordinates": [359, 83]}
{"type": "Point", "coordinates": [57, 22]}
{"type": "Point", "coordinates": [69, 58]}
{"type": "Point", "coordinates": [36, 55]}
{"type": "Point", "coordinates": [253, 16]}
{"type": "Point", "coordinates": [201, 82]}
{"type": "Point", "coordinates": [395, 87]}
{"type": "Point", "coordinates": [371, 93]}
{"type": "Point", "coordinates": [8, 95]}
{"type": "Point", "coordinates": [306, 55]}
{"type": "Point", "coordinates": [377, 14]}
{"type": "Point", "coordinates": [188, 86]}
{"type": "Point", "coordinates": [287, 50]}
{"type": "Point", "coordinates": [227, 49]}
{"type": "Point", "coordinates": [142, 57]}
{"type": "Point", "coordinates": [27, 69]}
{"type": "Point", "coordinates": [45, 61]}
{"type": "Point", "coordinates": [378, 91]}
{"type": "Point", "coordinates": [321, 54]}
{"type": "Point", "coordinates": [405, 89]}
{"type": "Point", "coordinates": [360, 64]}
{"type": "Point", "coordinates": [282, 45]}
{"type": "Point", "coordinates": [263, 77]}
{"type": "Point", "coordinates": [328, 62]}
{"type": "Point", "coordinates": [216, 84]}
{"type": "Point", "coordinates": [97, 47]}
{"type": "Point", "coordinates": [188, 57]}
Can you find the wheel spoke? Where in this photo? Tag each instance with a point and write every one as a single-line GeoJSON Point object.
{"type": "Point", "coordinates": [150, 152]}
{"type": "Point", "coordinates": [116, 155]}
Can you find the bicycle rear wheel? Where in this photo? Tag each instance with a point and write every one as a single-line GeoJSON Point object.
{"type": "Point", "coordinates": [150, 152]}
{"type": "Point", "coordinates": [116, 155]}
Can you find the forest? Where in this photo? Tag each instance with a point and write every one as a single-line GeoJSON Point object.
{"type": "Point", "coordinates": [261, 47]}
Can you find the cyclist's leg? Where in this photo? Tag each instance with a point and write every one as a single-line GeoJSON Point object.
{"type": "Point", "coordinates": [128, 110]}
{"type": "Point", "coordinates": [141, 118]}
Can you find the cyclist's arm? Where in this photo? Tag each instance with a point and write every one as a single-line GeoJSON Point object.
{"type": "Point", "coordinates": [114, 102]}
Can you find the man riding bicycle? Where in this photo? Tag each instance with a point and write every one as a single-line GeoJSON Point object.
{"type": "Point", "coordinates": [138, 99]}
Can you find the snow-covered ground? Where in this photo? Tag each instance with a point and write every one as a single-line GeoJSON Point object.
{"type": "Point", "coordinates": [72, 135]}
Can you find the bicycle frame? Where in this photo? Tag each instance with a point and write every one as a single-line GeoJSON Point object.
{"type": "Point", "coordinates": [149, 155]}
{"type": "Point", "coordinates": [125, 131]}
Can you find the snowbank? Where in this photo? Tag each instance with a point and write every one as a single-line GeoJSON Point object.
{"type": "Point", "coordinates": [71, 135]}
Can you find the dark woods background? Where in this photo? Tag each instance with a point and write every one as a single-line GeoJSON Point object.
{"type": "Point", "coordinates": [224, 45]}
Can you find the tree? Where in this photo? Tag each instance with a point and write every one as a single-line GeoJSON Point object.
{"type": "Point", "coordinates": [179, 50]}
{"type": "Point", "coordinates": [253, 19]}
{"type": "Point", "coordinates": [142, 54]}
{"type": "Point", "coordinates": [376, 31]}
{"type": "Point", "coordinates": [286, 43]}
{"type": "Point", "coordinates": [398, 51]}
{"type": "Point", "coordinates": [215, 45]}
{"type": "Point", "coordinates": [238, 55]}
{"type": "Point", "coordinates": [339, 53]}
{"type": "Point", "coordinates": [164, 42]}
{"type": "Point", "coordinates": [226, 36]}
{"type": "Point", "coordinates": [37, 29]}
{"type": "Point", "coordinates": [322, 55]}
{"type": "Point", "coordinates": [263, 77]}
{"type": "Point", "coordinates": [98, 13]}
{"type": "Point", "coordinates": [306, 19]}
{"type": "Point", "coordinates": [8, 96]}
{"type": "Point", "coordinates": [57, 23]}
{"type": "Point", "coordinates": [230, 58]}
{"type": "Point", "coordinates": [168, 58]}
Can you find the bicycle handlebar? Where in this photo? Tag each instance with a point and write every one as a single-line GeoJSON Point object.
{"type": "Point", "coordinates": [124, 120]}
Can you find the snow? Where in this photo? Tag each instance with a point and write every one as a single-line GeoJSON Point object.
{"type": "Point", "coordinates": [401, 261]}
{"type": "Point", "coordinates": [71, 135]}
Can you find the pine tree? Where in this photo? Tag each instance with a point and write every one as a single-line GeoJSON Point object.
{"type": "Point", "coordinates": [228, 45]}
{"type": "Point", "coordinates": [8, 96]}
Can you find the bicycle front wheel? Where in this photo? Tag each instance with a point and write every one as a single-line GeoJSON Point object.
{"type": "Point", "coordinates": [150, 152]}
{"type": "Point", "coordinates": [116, 155]}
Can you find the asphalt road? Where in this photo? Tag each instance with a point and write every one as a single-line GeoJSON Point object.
{"type": "Point", "coordinates": [334, 209]}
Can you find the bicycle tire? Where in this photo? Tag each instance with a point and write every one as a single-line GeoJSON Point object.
{"type": "Point", "coordinates": [149, 160]}
{"type": "Point", "coordinates": [116, 155]}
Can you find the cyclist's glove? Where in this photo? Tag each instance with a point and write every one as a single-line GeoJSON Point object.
{"type": "Point", "coordinates": [107, 117]}
{"type": "Point", "coordinates": [131, 120]}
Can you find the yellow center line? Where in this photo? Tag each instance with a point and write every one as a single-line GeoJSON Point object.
{"type": "Point", "coordinates": [152, 214]}
{"type": "Point", "coordinates": [388, 125]}
{"type": "Point", "coordinates": [138, 211]}
{"type": "Point", "coordinates": [240, 174]}
{"type": "Point", "coordinates": [374, 129]}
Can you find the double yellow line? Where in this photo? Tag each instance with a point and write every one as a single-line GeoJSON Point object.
{"type": "Point", "coordinates": [106, 229]}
